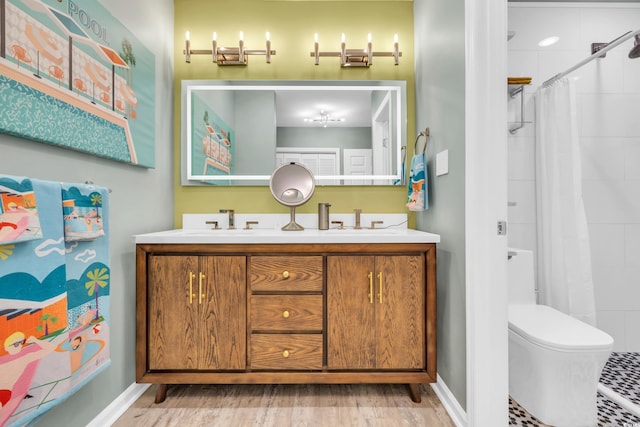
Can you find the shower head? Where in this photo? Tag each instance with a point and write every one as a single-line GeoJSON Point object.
{"type": "Point", "coordinates": [635, 52]}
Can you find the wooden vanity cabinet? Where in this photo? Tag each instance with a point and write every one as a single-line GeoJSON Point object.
{"type": "Point", "coordinates": [286, 314]}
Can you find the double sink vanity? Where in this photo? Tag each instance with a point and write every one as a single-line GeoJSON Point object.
{"type": "Point", "coordinates": [263, 306]}
{"type": "Point", "coordinates": [252, 299]}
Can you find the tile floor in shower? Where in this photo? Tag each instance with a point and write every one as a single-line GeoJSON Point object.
{"type": "Point", "coordinates": [621, 374]}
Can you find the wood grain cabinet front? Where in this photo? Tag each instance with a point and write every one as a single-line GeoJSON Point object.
{"type": "Point", "coordinates": [376, 312]}
{"type": "Point", "coordinates": [286, 313]}
{"type": "Point", "coordinates": [197, 317]}
{"type": "Point", "coordinates": [286, 351]}
{"type": "Point", "coordinates": [286, 273]}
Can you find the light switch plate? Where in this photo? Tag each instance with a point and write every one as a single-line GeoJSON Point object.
{"type": "Point", "coordinates": [442, 163]}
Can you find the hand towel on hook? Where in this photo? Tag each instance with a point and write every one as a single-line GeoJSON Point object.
{"type": "Point", "coordinates": [417, 192]}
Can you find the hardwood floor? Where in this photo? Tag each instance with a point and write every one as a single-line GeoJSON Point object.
{"type": "Point", "coordinates": [287, 405]}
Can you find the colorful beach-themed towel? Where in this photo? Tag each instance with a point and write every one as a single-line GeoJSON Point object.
{"type": "Point", "coordinates": [19, 220]}
{"type": "Point", "coordinates": [54, 312]}
{"type": "Point", "coordinates": [88, 284]}
{"type": "Point", "coordinates": [82, 208]}
{"type": "Point", "coordinates": [417, 195]}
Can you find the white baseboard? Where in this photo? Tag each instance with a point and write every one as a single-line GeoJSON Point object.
{"type": "Point", "coordinates": [455, 411]}
{"type": "Point", "coordinates": [111, 413]}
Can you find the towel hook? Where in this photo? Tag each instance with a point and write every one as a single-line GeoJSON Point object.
{"type": "Point", "coordinates": [424, 133]}
{"type": "Point", "coordinates": [91, 183]}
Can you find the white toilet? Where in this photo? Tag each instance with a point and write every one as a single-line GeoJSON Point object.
{"type": "Point", "coordinates": [554, 360]}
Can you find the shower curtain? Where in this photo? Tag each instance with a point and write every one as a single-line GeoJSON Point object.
{"type": "Point", "coordinates": [564, 255]}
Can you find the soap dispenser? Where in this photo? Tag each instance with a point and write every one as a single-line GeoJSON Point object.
{"type": "Point", "coordinates": [323, 216]}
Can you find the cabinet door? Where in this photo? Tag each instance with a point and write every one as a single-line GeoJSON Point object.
{"type": "Point", "coordinates": [400, 316]}
{"type": "Point", "coordinates": [350, 312]}
{"type": "Point", "coordinates": [197, 312]}
{"type": "Point", "coordinates": [222, 317]}
{"type": "Point", "coordinates": [172, 309]}
{"type": "Point", "coordinates": [376, 312]}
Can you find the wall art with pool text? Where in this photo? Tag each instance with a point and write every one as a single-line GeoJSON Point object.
{"type": "Point", "coordinates": [72, 75]}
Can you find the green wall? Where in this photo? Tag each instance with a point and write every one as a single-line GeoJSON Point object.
{"type": "Point", "coordinates": [440, 83]}
{"type": "Point", "coordinates": [292, 25]}
{"type": "Point", "coordinates": [141, 201]}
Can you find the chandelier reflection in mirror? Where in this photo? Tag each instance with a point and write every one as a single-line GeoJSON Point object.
{"type": "Point", "coordinates": [324, 119]}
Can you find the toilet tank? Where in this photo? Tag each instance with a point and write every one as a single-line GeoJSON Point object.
{"type": "Point", "coordinates": [520, 277]}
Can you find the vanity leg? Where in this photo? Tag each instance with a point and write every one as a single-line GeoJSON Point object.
{"type": "Point", "coordinates": [161, 393]}
{"type": "Point", "coordinates": [414, 392]}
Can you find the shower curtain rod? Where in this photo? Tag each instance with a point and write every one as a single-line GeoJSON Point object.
{"type": "Point", "coordinates": [615, 43]}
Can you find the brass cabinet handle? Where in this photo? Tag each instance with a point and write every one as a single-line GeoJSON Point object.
{"type": "Point", "coordinates": [370, 275]}
{"type": "Point", "coordinates": [285, 274]}
{"type": "Point", "coordinates": [380, 281]}
{"type": "Point", "coordinates": [200, 294]}
{"type": "Point", "coordinates": [191, 294]}
{"type": "Point", "coordinates": [285, 314]}
{"type": "Point", "coordinates": [285, 354]}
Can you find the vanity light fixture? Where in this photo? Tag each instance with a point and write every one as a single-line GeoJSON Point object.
{"type": "Point", "coordinates": [324, 119]}
{"type": "Point", "coordinates": [228, 55]}
{"type": "Point", "coordinates": [355, 57]}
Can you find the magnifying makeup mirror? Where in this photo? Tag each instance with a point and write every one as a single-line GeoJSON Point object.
{"type": "Point", "coordinates": [292, 185]}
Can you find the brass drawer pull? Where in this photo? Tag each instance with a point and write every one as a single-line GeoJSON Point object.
{"type": "Point", "coordinates": [285, 354]}
{"type": "Point", "coordinates": [370, 287]}
{"type": "Point", "coordinates": [380, 293]}
{"type": "Point", "coordinates": [285, 314]}
{"type": "Point", "coordinates": [285, 274]}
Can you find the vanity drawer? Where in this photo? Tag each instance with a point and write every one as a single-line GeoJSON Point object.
{"type": "Point", "coordinates": [286, 351]}
{"type": "Point", "coordinates": [286, 273]}
{"type": "Point", "coordinates": [286, 312]}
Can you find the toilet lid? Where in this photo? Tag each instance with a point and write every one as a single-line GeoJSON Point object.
{"type": "Point", "coordinates": [548, 327]}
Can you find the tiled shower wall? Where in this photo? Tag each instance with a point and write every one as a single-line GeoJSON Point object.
{"type": "Point", "coordinates": [609, 126]}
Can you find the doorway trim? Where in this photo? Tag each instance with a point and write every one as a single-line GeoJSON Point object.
{"type": "Point", "coordinates": [485, 205]}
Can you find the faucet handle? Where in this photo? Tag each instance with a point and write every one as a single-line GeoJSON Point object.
{"type": "Point", "coordinates": [248, 224]}
{"type": "Point", "coordinates": [214, 223]}
{"type": "Point", "coordinates": [340, 224]}
{"type": "Point", "coordinates": [373, 224]}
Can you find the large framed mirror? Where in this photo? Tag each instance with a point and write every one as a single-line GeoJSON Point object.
{"type": "Point", "coordinates": [237, 132]}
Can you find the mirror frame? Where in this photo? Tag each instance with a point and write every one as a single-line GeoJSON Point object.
{"type": "Point", "coordinates": [188, 87]}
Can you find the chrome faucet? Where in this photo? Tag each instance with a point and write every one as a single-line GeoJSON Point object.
{"type": "Point", "coordinates": [231, 213]}
{"type": "Point", "coordinates": [357, 226]}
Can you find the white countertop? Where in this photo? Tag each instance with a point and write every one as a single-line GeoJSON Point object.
{"type": "Point", "coordinates": [196, 231]}
{"type": "Point", "coordinates": [186, 236]}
